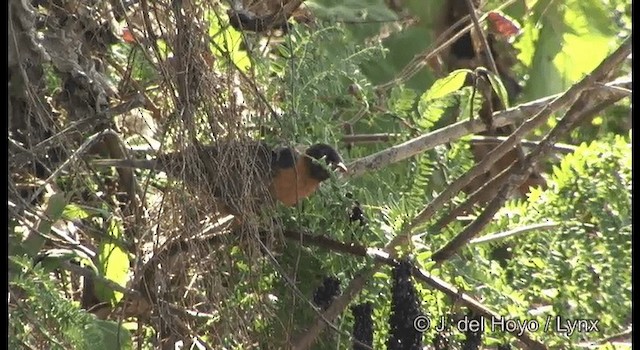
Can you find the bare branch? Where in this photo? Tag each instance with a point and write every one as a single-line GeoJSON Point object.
{"type": "Point", "coordinates": [369, 138]}
{"type": "Point", "coordinates": [515, 231]}
{"type": "Point", "coordinates": [460, 129]}
{"type": "Point", "coordinates": [583, 109]}
{"type": "Point", "coordinates": [483, 38]}
{"type": "Point", "coordinates": [609, 64]}
{"type": "Point", "coordinates": [558, 147]}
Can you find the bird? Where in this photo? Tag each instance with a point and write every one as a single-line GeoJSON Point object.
{"type": "Point", "coordinates": [239, 173]}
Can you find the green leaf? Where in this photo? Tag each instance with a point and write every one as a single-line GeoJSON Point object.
{"type": "Point", "coordinates": [402, 99]}
{"type": "Point", "coordinates": [447, 85]}
{"type": "Point", "coordinates": [74, 212]}
{"type": "Point", "coordinates": [107, 335]}
{"type": "Point", "coordinates": [113, 262]}
{"type": "Point", "coordinates": [498, 87]}
{"type": "Point", "coordinates": [55, 207]}
{"type": "Point", "coordinates": [560, 44]}
{"type": "Point", "coordinates": [381, 275]}
{"type": "Point", "coordinates": [539, 263]}
{"type": "Point", "coordinates": [226, 41]}
{"type": "Point", "coordinates": [443, 94]}
{"type": "Point", "coordinates": [51, 259]}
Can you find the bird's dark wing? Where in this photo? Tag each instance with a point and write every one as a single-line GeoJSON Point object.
{"type": "Point", "coordinates": [284, 158]}
{"type": "Point", "coordinates": [236, 173]}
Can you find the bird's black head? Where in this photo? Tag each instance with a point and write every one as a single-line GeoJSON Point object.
{"type": "Point", "coordinates": [323, 152]}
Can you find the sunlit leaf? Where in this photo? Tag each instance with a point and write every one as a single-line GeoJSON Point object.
{"type": "Point", "coordinates": [447, 85]}
{"type": "Point", "coordinates": [226, 42]}
{"type": "Point", "coordinates": [113, 262]}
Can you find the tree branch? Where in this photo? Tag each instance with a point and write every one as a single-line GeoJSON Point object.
{"type": "Point", "coordinates": [583, 109]}
{"type": "Point", "coordinates": [483, 39]}
{"type": "Point", "coordinates": [502, 177]}
{"type": "Point", "coordinates": [569, 97]}
{"type": "Point", "coordinates": [558, 147]}
{"type": "Point", "coordinates": [460, 129]}
{"type": "Point", "coordinates": [515, 231]}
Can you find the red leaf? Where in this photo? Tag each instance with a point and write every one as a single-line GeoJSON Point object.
{"type": "Point", "coordinates": [127, 36]}
{"type": "Point", "coordinates": [502, 24]}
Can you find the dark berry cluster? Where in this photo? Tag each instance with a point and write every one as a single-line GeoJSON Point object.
{"type": "Point", "coordinates": [405, 307]}
{"type": "Point", "coordinates": [363, 325]}
{"type": "Point", "coordinates": [357, 214]}
{"type": "Point", "coordinates": [324, 294]}
{"type": "Point", "coordinates": [473, 339]}
{"type": "Point", "coordinates": [441, 341]}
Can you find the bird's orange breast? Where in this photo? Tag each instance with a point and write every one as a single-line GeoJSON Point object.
{"type": "Point", "coordinates": [293, 184]}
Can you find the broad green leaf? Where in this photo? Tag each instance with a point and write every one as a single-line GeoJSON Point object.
{"type": "Point", "coordinates": [107, 335]}
{"type": "Point", "coordinates": [561, 44]}
{"type": "Point", "coordinates": [381, 275]}
{"type": "Point", "coordinates": [226, 41]}
{"type": "Point", "coordinates": [539, 263]}
{"type": "Point", "coordinates": [74, 212]}
{"type": "Point", "coordinates": [113, 262]}
{"type": "Point", "coordinates": [443, 94]}
{"type": "Point", "coordinates": [470, 106]}
{"type": "Point", "coordinates": [55, 207]}
{"type": "Point", "coordinates": [447, 85]}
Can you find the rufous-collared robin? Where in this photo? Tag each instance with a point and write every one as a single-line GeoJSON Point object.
{"type": "Point", "coordinates": [236, 171]}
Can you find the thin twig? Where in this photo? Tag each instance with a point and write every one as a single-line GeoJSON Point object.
{"type": "Point", "coordinates": [613, 338]}
{"type": "Point", "coordinates": [327, 243]}
{"type": "Point", "coordinates": [86, 145]}
{"type": "Point", "coordinates": [516, 231]}
{"type": "Point", "coordinates": [558, 147]}
{"type": "Point", "coordinates": [483, 38]}
{"type": "Point", "coordinates": [488, 187]}
{"type": "Point", "coordinates": [481, 221]}
{"type": "Point", "coordinates": [137, 101]}
{"type": "Point", "coordinates": [369, 138]}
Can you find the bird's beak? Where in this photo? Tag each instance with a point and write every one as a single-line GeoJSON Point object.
{"type": "Point", "coordinates": [340, 166]}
